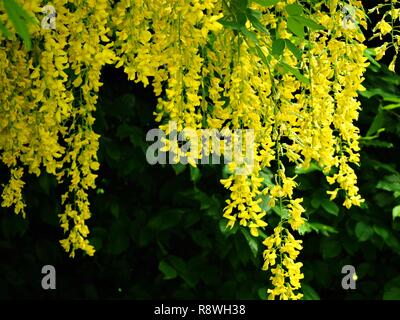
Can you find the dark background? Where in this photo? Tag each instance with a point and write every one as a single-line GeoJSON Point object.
{"type": "Point", "coordinates": [159, 231]}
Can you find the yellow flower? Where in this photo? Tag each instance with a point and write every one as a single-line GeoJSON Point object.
{"type": "Point", "coordinates": [383, 27]}
{"type": "Point", "coordinates": [380, 51]}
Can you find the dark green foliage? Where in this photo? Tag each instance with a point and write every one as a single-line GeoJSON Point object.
{"type": "Point", "coordinates": [367, 237]}
{"type": "Point", "coordinates": [159, 232]}
{"type": "Point", "coordinates": [19, 18]}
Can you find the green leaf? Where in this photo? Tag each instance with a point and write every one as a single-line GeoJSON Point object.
{"type": "Point", "coordinates": [330, 207]}
{"type": "Point", "coordinates": [390, 183]}
{"type": "Point", "coordinates": [195, 174]}
{"type": "Point", "coordinates": [255, 13]}
{"type": "Point", "coordinates": [182, 270]}
{"type": "Point", "coordinates": [295, 72]}
{"type": "Point", "coordinates": [305, 228]}
{"type": "Point", "coordinates": [229, 24]}
{"type": "Point", "coordinates": [251, 241]}
{"type": "Point", "coordinates": [381, 231]}
{"type": "Point", "coordinates": [266, 3]}
{"type": "Point", "coordinates": [370, 53]}
{"type": "Point", "coordinates": [277, 47]}
{"type": "Point", "coordinates": [309, 293]}
{"type": "Point", "coordinates": [22, 13]}
{"type": "Point", "coordinates": [168, 271]}
{"type": "Point", "coordinates": [226, 230]}
{"type": "Point", "coordinates": [239, 5]}
{"type": "Point", "coordinates": [191, 218]}
{"type": "Point", "coordinates": [392, 289]}
{"type": "Point", "coordinates": [295, 27]}
{"type": "Point", "coordinates": [380, 165]}
{"type": "Point", "coordinates": [316, 200]}
{"type": "Point", "coordinates": [396, 212]}
{"type": "Point", "coordinates": [324, 229]}
{"type": "Point", "coordinates": [392, 293]}
{"type": "Point", "coordinates": [377, 143]}
{"type": "Point", "coordinates": [241, 18]}
{"type": "Point", "coordinates": [178, 168]}
{"type": "Point", "coordinates": [308, 23]}
{"type": "Point", "coordinates": [262, 293]}
{"type": "Point", "coordinates": [296, 51]}
{"type": "Point", "coordinates": [17, 15]}
{"type": "Point", "coordinates": [376, 124]}
{"type": "Point", "coordinates": [392, 242]}
{"type": "Point", "coordinates": [261, 54]}
{"type": "Point", "coordinates": [282, 212]}
{"type": "Point", "coordinates": [294, 9]}
{"type": "Point", "coordinates": [391, 106]}
{"type": "Point", "coordinates": [252, 15]}
{"type": "Point", "coordinates": [378, 91]}
{"type": "Point", "coordinates": [249, 34]}
{"type": "Point", "coordinates": [363, 231]}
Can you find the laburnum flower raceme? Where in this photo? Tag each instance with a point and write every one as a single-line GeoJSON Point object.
{"type": "Point", "coordinates": [288, 70]}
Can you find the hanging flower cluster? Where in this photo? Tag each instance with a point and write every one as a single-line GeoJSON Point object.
{"type": "Point", "coordinates": [288, 70]}
{"type": "Point", "coordinates": [46, 103]}
{"type": "Point", "coordinates": [387, 27]}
